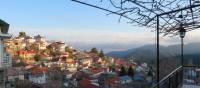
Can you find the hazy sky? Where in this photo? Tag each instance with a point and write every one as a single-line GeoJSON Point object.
{"type": "Point", "coordinates": [79, 25]}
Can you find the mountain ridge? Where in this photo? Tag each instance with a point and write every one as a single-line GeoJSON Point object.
{"type": "Point", "coordinates": [148, 52]}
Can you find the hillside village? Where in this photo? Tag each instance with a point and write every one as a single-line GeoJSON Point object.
{"type": "Point", "coordinates": [38, 63]}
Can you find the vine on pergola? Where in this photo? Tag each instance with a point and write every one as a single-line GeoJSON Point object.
{"type": "Point", "coordinates": [171, 13]}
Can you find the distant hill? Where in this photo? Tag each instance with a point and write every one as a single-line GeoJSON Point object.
{"type": "Point", "coordinates": [169, 56]}
{"type": "Point", "coordinates": [120, 54]}
{"type": "Point", "coordinates": [147, 53]}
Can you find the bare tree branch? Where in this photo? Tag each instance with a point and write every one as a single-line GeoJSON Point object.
{"type": "Point", "coordinates": [144, 12]}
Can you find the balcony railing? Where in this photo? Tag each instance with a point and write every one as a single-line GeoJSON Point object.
{"type": "Point", "coordinates": [173, 80]}
{"type": "Point", "coordinates": [182, 77]}
{"type": "Point", "coordinates": [191, 77]}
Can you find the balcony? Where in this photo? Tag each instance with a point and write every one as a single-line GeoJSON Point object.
{"type": "Point", "coordinates": [182, 77]}
{"type": "Point", "coordinates": [5, 36]}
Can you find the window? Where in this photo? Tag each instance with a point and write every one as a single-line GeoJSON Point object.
{"type": "Point", "coordinates": [6, 59]}
{"type": "Point", "coordinates": [1, 76]}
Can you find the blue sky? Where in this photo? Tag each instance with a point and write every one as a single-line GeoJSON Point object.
{"type": "Point", "coordinates": [79, 25]}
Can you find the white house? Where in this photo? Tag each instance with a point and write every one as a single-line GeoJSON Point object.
{"type": "Point", "coordinates": [58, 46]}
{"type": "Point", "coordinates": [40, 42]}
{"type": "Point", "coordinates": [41, 45]}
{"type": "Point", "coordinates": [38, 75]}
{"type": "Point", "coordinates": [30, 40]}
{"type": "Point", "coordinates": [38, 79]}
{"type": "Point", "coordinates": [3, 35]}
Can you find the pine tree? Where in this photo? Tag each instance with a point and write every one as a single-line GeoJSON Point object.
{"type": "Point", "coordinates": [130, 71]}
{"type": "Point", "coordinates": [37, 57]}
{"type": "Point", "coordinates": [101, 54]}
{"type": "Point", "coordinates": [122, 71]}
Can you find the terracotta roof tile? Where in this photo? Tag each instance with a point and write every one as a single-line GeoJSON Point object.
{"type": "Point", "coordinates": [112, 80]}
{"type": "Point", "coordinates": [38, 70]}
{"type": "Point", "coordinates": [85, 83]}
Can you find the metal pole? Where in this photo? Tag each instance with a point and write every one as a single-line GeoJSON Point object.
{"type": "Point", "coordinates": [182, 51]}
{"type": "Point", "coordinates": [182, 64]}
{"type": "Point", "coordinates": [158, 58]}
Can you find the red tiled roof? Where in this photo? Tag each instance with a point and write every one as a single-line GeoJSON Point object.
{"type": "Point", "coordinates": [65, 53]}
{"type": "Point", "coordinates": [44, 55]}
{"type": "Point", "coordinates": [38, 70]}
{"type": "Point", "coordinates": [81, 74]}
{"type": "Point", "coordinates": [71, 62]}
{"type": "Point", "coordinates": [96, 70]}
{"type": "Point", "coordinates": [85, 83]}
{"type": "Point", "coordinates": [92, 86]}
{"type": "Point", "coordinates": [26, 52]}
{"type": "Point", "coordinates": [120, 62]}
{"type": "Point", "coordinates": [112, 80]}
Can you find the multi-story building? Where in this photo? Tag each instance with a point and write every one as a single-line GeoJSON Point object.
{"type": "Point", "coordinates": [39, 38]}
{"type": "Point", "coordinates": [41, 45]}
{"type": "Point", "coordinates": [4, 57]}
{"type": "Point", "coordinates": [58, 46]}
{"type": "Point", "coordinates": [29, 40]}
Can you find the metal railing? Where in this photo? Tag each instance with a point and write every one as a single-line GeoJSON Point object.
{"type": "Point", "coordinates": [183, 75]}
{"type": "Point", "coordinates": [172, 80]}
{"type": "Point", "coordinates": [191, 75]}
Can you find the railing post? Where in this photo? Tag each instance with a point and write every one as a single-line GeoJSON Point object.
{"type": "Point", "coordinates": [182, 74]}
{"type": "Point", "coordinates": [176, 79]}
{"type": "Point", "coordinates": [169, 82]}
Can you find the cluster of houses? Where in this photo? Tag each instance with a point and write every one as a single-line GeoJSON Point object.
{"type": "Point", "coordinates": [84, 77]}
{"type": "Point", "coordinates": [27, 41]}
{"type": "Point", "coordinates": [81, 73]}
{"type": "Point", "coordinates": [104, 77]}
{"type": "Point", "coordinates": [67, 68]}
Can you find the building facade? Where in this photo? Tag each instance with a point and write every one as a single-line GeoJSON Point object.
{"type": "Point", "coordinates": [4, 57]}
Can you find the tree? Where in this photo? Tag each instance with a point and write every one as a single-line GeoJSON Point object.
{"type": "Point", "coordinates": [22, 34]}
{"type": "Point", "coordinates": [50, 49]}
{"type": "Point", "coordinates": [67, 49]}
{"type": "Point", "coordinates": [37, 57]}
{"type": "Point", "coordinates": [94, 50]}
{"type": "Point", "coordinates": [71, 56]}
{"type": "Point", "coordinates": [34, 47]}
{"type": "Point", "coordinates": [112, 67]}
{"type": "Point", "coordinates": [130, 71]}
{"type": "Point", "coordinates": [46, 51]}
{"type": "Point", "coordinates": [101, 54]}
{"type": "Point", "coordinates": [122, 71]}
